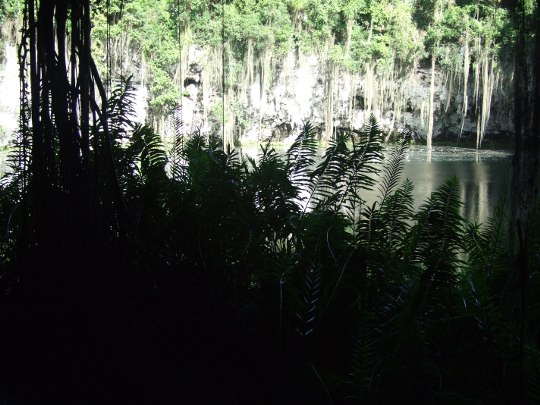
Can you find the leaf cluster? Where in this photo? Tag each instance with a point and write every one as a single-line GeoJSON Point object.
{"type": "Point", "coordinates": [279, 264]}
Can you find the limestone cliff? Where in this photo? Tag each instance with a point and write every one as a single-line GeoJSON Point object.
{"type": "Point", "coordinates": [274, 100]}
{"type": "Point", "coordinates": [273, 96]}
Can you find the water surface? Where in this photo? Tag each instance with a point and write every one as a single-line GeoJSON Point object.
{"type": "Point", "coordinates": [481, 174]}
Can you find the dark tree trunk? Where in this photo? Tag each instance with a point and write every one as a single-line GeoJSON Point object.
{"type": "Point", "coordinates": [525, 163]}
{"type": "Point", "coordinates": [64, 188]}
{"type": "Point", "coordinates": [58, 310]}
{"type": "Point", "coordinates": [525, 176]}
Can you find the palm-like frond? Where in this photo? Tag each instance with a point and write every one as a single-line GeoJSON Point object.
{"type": "Point", "coordinates": [177, 163]}
{"type": "Point", "coordinates": [10, 200]}
{"type": "Point", "coordinates": [434, 244]}
{"type": "Point", "coordinates": [110, 137]}
{"type": "Point", "coordinates": [363, 165]}
{"type": "Point", "coordinates": [344, 171]}
{"type": "Point", "coordinates": [363, 362]}
{"type": "Point", "coordinates": [308, 315]}
{"type": "Point", "coordinates": [300, 157]}
{"type": "Point", "coordinates": [153, 156]}
{"type": "Point", "coordinates": [121, 109]}
{"type": "Point", "coordinates": [393, 169]}
{"type": "Point", "coordinates": [484, 243]}
{"type": "Point", "coordinates": [176, 158]}
{"type": "Point", "coordinates": [487, 267]}
{"type": "Point", "coordinates": [437, 236]}
{"type": "Point", "coordinates": [273, 192]}
{"type": "Point", "coordinates": [327, 178]}
{"type": "Point", "coordinates": [148, 151]}
{"type": "Point", "coordinates": [394, 214]}
{"type": "Point", "coordinates": [19, 160]}
{"type": "Point", "coordinates": [14, 184]}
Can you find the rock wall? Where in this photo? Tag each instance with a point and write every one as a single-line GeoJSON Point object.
{"type": "Point", "coordinates": [312, 88]}
{"type": "Point", "coordinates": [275, 95]}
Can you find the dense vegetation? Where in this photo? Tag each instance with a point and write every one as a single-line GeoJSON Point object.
{"type": "Point", "coordinates": [265, 280]}
{"type": "Point", "coordinates": [387, 35]}
{"type": "Point", "coordinates": [469, 42]}
{"type": "Point", "coordinates": [384, 41]}
{"type": "Point", "coordinates": [135, 272]}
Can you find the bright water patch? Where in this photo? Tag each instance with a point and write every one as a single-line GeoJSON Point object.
{"type": "Point", "coordinates": [453, 153]}
{"type": "Point", "coordinates": [481, 174]}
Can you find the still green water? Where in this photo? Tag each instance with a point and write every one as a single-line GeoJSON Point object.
{"type": "Point", "coordinates": [482, 174]}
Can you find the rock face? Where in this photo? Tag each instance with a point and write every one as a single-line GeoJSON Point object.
{"type": "Point", "coordinates": [273, 96]}
{"type": "Point", "coordinates": [276, 101]}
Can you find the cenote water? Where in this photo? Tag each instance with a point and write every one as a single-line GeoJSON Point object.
{"type": "Point", "coordinates": [481, 173]}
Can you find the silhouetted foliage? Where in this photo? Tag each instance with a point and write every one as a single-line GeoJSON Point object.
{"type": "Point", "coordinates": [184, 271]}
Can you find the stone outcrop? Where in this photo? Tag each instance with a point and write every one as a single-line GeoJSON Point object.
{"type": "Point", "coordinates": [273, 96]}
{"type": "Point", "coordinates": [308, 88]}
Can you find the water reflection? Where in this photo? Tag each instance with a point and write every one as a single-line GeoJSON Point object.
{"type": "Point", "coordinates": [481, 175]}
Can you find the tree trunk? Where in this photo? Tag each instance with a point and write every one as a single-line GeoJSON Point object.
{"type": "Point", "coordinates": [525, 180]}
{"type": "Point", "coordinates": [63, 211]}
{"type": "Point", "coordinates": [429, 134]}
{"type": "Point", "coordinates": [466, 67]}
{"type": "Point", "coordinates": [525, 163]}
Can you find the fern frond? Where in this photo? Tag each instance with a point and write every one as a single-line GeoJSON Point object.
{"type": "Point", "coordinates": [148, 151]}
{"type": "Point", "coordinates": [395, 212]}
{"type": "Point", "coordinates": [300, 157]}
{"type": "Point", "coordinates": [121, 109]}
{"type": "Point", "coordinates": [392, 170]}
{"type": "Point", "coordinates": [434, 244]}
{"type": "Point", "coordinates": [308, 315]}
{"type": "Point", "coordinates": [273, 192]}
{"type": "Point", "coordinates": [439, 228]}
{"type": "Point", "coordinates": [327, 178]}
{"type": "Point", "coordinates": [363, 165]}
{"type": "Point", "coordinates": [485, 242]}
{"type": "Point", "coordinates": [177, 163]}
{"type": "Point", "coordinates": [362, 367]}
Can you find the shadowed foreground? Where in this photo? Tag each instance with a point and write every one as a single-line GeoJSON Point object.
{"type": "Point", "coordinates": [137, 272]}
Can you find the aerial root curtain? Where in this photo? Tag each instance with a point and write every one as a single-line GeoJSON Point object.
{"type": "Point", "coordinates": [70, 143]}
